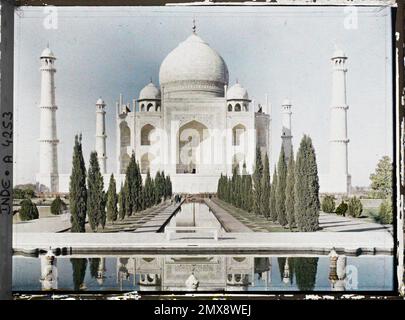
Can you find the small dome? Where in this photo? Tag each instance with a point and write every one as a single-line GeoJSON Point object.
{"type": "Point", "coordinates": [47, 53]}
{"type": "Point", "coordinates": [149, 92]}
{"type": "Point", "coordinates": [339, 54]}
{"type": "Point", "coordinates": [237, 92]}
{"type": "Point", "coordinates": [286, 102]}
{"type": "Point", "coordinates": [100, 101]}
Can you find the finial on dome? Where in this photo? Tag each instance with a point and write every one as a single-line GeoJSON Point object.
{"type": "Point", "coordinates": [151, 80]}
{"type": "Point", "coordinates": [237, 80]}
{"type": "Point", "coordinates": [194, 26]}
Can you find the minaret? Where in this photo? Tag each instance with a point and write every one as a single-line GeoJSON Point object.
{"type": "Point", "coordinates": [101, 136]}
{"type": "Point", "coordinates": [48, 153]}
{"type": "Point", "coordinates": [338, 162]}
{"type": "Point", "coordinates": [286, 131]}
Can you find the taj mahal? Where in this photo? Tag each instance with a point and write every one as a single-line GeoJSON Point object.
{"type": "Point", "coordinates": [194, 125]}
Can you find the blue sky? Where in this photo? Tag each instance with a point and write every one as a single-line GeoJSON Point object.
{"type": "Point", "coordinates": [282, 51]}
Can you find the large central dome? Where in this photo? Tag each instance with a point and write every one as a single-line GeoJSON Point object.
{"type": "Point", "coordinates": [193, 67]}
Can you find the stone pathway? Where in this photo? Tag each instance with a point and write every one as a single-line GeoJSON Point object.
{"type": "Point", "coordinates": [253, 222]}
{"type": "Point", "coordinates": [230, 223]}
{"type": "Point", "coordinates": [335, 223]}
{"type": "Point", "coordinates": [149, 220]}
{"type": "Point", "coordinates": [58, 223]}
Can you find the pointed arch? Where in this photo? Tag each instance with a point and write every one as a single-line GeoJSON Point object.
{"type": "Point", "coordinates": [146, 133]}
{"type": "Point", "coordinates": [237, 133]}
{"type": "Point", "coordinates": [238, 107]}
{"type": "Point", "coordinates": [190, 146]}
{"type": "Point", "coordinates": [149, 107]}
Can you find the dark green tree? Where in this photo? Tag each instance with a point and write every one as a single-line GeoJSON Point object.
{"type": "Point", "coordinates": [138, 189]}
{"type": "Point", "coordinates": [159, 187]}
{"type": "Point", "coordinates": [79, 266]}
{"type": "Point", "coordinates": [266, 189]}
{"type": "Point", "coordinates": [149, 191]}
{"type": "Point", "coordinates": [57, 206]}
{"type": "Point", "coordinates": [354, 207]}
{"type": "Point", "coordinates": [129, 186]}
{"type": "Point", "coordinates": [273, 190]}
{"type": "Point", "coordinates": [94, 264]}
{"type": "Point", "coordinates": [281, 186]}
{"type": "Point", "coordinates": [381, 179]}
{"type": "Point", "coordinates": [328, 204]}
{"type": "Point", "coordinates": [257, 181]}
{"type": "Point", "coordinates": [95, 198]}
{"type": "Point", "coordinates": [289, 191]}
{"type": "Point", "coordinates": [305, 270]}
{"type": "Point", "coordinates": [306, 189]}
{"type": "Point", "coordinates": [112, 200]}
{"type": "Point", "coordinates": [122, 210]}
{"type": "Point", "coordinates": [77, 189]}
{"type": "Point", "coordinates": [169, 192]}
{"type": "Point", "coordinates": [28, 210]}
{"type": "Point", "coordinates": [341, 209]}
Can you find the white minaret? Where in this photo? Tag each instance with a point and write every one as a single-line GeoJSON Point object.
{"type": "Point", "coordinates": [101, 136]}
{"type": "Point", "coordinates": [47, 177]}
{"type": "Point", "coordinates": [339, 179]}
{"type": "Point", "coordinates": [286, 131]}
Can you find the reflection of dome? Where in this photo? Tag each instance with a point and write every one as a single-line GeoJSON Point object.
{"type": "Point", "coordinates": [47, 53]}
{"type": "Point", "coordinates": [149, 92]}
{"type": "Point", "coordinates": [237, 92]}
{"type": "Point", "coordinates": [194, 66]}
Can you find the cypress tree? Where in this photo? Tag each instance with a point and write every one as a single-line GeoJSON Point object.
{"type": "Point", "coordinates": [94, 264]}
{"type": "Point", "coordinates": [102, 218]}
{"type": "Point", "coordinates": [280, 192]}
{"type": "Point", "coordinates": [289, 192]}
{"type": "Point", "coordinates": [234, 186]}
{"type": "Point", "coordinates": [77, 189]}
{"type": "Point", "coordinates": [129, 189]}
{"type": "Point", "coordinates": [305, 270]}
{"type": "Point", "coordinates": [265, 200]}
{"type": "Point", "coordinates": [169, 187]}
{"type": "Point", "coordinates": [249, 193]}
{"type": "Point", "coordinates": [122, 203]}
{"type": "Point", "coordinates": [149, 192]}
{"type": "Point", "coordinates": [112, 200]}
{"type": "Point", "coordinates": [79, 266]}
{"type": "Point", "coordinates": [95, 197]}
{"type": "Point", "coordinates": [163, 177]}
{"type": "Point", "coordinates": [157, 188]}
{"type": "Point", "coordinates": [257, 182]}
{"type": "Point", "coordinates": [273, 206]}
{"type": "Point", "coordinates": [306, 188]}
{"type": "Point", "coordinates": [138, 192]}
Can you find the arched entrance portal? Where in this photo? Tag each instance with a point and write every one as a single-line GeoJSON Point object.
{"type": "Point", "coordinates": [190, 147]}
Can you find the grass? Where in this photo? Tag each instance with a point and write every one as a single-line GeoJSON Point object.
{"type": "Point", "coordinates": [255, 222]}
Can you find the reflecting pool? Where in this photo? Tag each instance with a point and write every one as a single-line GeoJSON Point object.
{"type": "Point", "coordinates": [202, 273]}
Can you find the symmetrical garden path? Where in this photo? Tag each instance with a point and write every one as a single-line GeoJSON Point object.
{"type": "Point", "coordinates": [332, 222]}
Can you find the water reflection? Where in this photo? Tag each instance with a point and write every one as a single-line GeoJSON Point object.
{"type": "Point", "coordinates": [204, 273]}
{"type": "Point", "coordinates": [79, 271]}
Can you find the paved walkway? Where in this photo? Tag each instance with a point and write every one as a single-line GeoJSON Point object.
{"type": "Point", "coordinates": [157, 221]}
{"type": "Point", "coordinates": [229, 223]}
{"type": "Point", "coordinates": [335, 223]}
{"type": "Point", "coordinates": [58, 223]}
{"type": "Point", "coordinates": [252, 242]}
